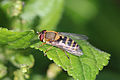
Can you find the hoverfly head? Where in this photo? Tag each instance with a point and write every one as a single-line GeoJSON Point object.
{"type": "Point", "coordinates": [41, 35]}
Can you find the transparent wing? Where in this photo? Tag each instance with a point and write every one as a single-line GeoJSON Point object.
{"type": "Point", "coordinates": [74, 36]}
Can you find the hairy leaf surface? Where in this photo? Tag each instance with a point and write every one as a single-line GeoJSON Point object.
{"type": "Point", "coordinates": [15, 39]}
{"type": "Point", "coordinates": [85, 67]}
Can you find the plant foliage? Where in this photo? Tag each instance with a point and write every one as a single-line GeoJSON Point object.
{"type": "Point", "coordinates": [19, 43]}
{"type": "Point", "coordinates": [85, 67]}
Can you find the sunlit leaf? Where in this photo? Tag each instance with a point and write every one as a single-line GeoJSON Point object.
{"type": "Point", "coordinates": [43, 14]}
{"type": "Point", "coordinates": [85, 67]}
{"type": "Point", "coordinates": [15, 39]}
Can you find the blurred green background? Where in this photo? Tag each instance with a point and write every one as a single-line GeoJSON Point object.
{"type": "Point", "coordinates": [98, 19]}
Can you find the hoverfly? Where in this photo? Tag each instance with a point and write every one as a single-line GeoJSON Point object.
{"type": "Point", "coordinates": [62, 40]}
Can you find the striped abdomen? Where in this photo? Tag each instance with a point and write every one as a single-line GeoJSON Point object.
{"type": "Point", "coordinates": [68, 45]}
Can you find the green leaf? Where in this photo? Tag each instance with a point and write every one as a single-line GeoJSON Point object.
{"type": "Point", "coordinates": [20, 60]}
{"type": "Point", "coordinates": [11, 7]}
{"type": "Point", "coordinates": [3, 70]}
{"type": "Point", "coordinates": [43, 14]}
{"type": "Point", "coordinates": [15, 39]}
{"type": "Point", "coordinates": [19, 75]}
{"type": "Point", "coordinates": [85, 67]}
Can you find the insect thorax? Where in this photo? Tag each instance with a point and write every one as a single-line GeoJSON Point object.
{"type": "Point", "coordinates": [50, 36]}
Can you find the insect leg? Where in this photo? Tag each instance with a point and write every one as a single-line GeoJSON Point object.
{"type": "Point", "coordinates": [48, 50]}
{"type": "Point", "coordinates": [42, 44]}
{"type": "Point", "coordinates": [65, 53]}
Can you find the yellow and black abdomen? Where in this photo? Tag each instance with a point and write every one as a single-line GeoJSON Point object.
{"type": "Point", "coordinates": [68, 45]}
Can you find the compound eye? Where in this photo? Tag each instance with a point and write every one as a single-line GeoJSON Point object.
{"type": "Point", "coordinates": [41, 37]}
{"type": "Point", "coordinates": [43, 31]}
